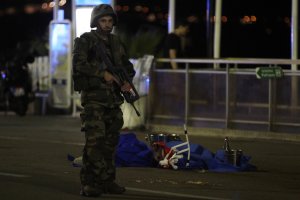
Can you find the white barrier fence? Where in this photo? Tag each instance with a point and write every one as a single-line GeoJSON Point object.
{"type": "Point", "coordinates": [39, 71]}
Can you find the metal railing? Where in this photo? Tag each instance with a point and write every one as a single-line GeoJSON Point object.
{"type": "Point", "coordinates": [225, 93]}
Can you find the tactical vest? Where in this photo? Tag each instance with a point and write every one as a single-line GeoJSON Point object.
{"type": "Point", "coordinates": [82, 82]}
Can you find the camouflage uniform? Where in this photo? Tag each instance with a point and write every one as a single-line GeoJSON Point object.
{"type": "Point", "coordinates": [101, 117]}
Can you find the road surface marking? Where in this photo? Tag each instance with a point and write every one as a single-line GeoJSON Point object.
{"type": "Point", "coordinates": [174, 194]}
{"type": "Point", "coordinates": [41, 140]}
{"type": "Point", "coordinates": [14, 175]}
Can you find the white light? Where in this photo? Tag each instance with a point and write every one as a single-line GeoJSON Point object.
{"type": "Point", "coordinates": [62, 2]}
{"type": "Point", "coordinates": [83, 16]}
{"type": "Point", "coordinates": [44, 6]}
{"type": "Point", "coordinates": [52, 4]}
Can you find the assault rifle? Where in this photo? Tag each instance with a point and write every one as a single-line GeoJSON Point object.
{"type": "Point", "coordinates": [121, 76]}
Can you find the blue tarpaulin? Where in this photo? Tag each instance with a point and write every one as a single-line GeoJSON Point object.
{"type": "Point", "coordinates": [132, 152]}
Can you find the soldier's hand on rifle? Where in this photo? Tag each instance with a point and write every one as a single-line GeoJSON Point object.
{"type": "Point", "coordinates": [109, 78]}
{"type": "Point", "coordinates": [126, 87]}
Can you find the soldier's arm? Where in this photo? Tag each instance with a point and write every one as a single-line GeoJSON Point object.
{"type": "Point", "coordinates": [172, 55]}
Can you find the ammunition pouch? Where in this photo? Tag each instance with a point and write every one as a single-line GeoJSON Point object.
{"type": "Point", "coordinates": [86, 83]}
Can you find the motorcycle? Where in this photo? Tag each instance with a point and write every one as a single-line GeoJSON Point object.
{"type": "Point", "coordinates": [18, 100]}
{"type": "Point", "coordinates": [16, 87]}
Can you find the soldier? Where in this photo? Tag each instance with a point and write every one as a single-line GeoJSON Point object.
{"type": "Point", "coordinates": [102, 118]}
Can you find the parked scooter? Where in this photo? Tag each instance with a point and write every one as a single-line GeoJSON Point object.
{"type": "Point", "coordinates": [16, 86]}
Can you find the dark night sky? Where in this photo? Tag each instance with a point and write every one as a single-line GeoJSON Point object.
{"type": "Point", "coordinates": [269, 34]}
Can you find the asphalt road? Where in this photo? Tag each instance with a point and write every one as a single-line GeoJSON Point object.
{"type": "Point", "coordinates": [33, 165]}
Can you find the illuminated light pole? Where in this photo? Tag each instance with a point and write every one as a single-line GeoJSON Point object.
{"type": "Point", "coordinates": [294, 55]}
{"type": "Point", "coordinates": [209, 28]}
{"type": "Point", "coordinates": [113, 3]}
{"type": "Point", "coordinates": [60, 45]}
{"type": "Point", "coordinates": [217, 33]}
{"type": "Point", "coordinates": [294, 32]}
{"type": "Point", "coordinates": [171, 17]}
{"type": "Point", "coordinates": [55, 10]}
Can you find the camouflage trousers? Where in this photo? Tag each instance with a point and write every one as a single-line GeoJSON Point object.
{"type": "Point", "coordinates": [102, 131]}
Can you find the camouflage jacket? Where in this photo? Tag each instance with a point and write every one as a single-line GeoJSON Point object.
{"type": "Point", "coordinates": [88, 68]}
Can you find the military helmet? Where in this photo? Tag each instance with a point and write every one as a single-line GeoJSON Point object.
{"type": "Point", "coordinates": [100, 11]}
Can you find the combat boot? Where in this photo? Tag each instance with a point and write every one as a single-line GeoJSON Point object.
{"type": "Point", "coordinates": [90, 191]}
{"type": "Point", "coordinates": [113, 188]}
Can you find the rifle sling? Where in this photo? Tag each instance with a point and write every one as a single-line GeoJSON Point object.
{"type": "Point", "coordinates": [101, 48]}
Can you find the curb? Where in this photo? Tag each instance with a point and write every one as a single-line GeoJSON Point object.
{"type": "Point", "coordinates": [233, 133]}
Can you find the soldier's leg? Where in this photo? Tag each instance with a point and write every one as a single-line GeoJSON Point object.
{"type": "Point", "coordinates": [114, 122]}
{"type": "Point", "coordinates": [93, 160]}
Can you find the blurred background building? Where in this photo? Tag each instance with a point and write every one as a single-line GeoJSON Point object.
{"type": "Point", "coordinates": [249, 28]}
